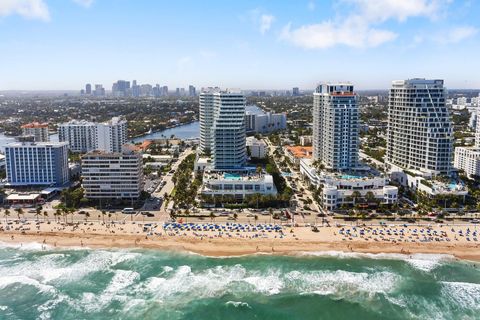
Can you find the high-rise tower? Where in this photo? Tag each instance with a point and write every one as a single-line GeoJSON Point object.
{"type": "Point", "coordinates": [335, 126]}
{"type": "Point", "coordinates": [419, 135]}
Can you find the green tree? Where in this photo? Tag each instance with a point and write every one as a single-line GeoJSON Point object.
{"type": "Point", "coordinates": [19, 212]}
{"type": "Point", "coordinates": [6, 214]}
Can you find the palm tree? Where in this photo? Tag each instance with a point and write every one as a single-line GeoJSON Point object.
{"type": "Point", "coordinates": [355, 195]}
{"type": "Point", "coordinates": [103, 215]}
{"type": "Point", "coordinates": [38, 211]}
{"type": "Point", "coordinates": [212, 216]}
{"type": "Point", "coordinates": [255, 217]}
{"type": "Point", "coordinates": [235, 216]}
{"type": "Point", "coordinates": [6, 214]}
{"type": "Point", "coordinates": [19, 211]}
{"type": "Point", "coordinates": [87, 215]}
{"type": "Point", "coordinates": [45, 215]}
{"type": "Point", "coordinates": [65, 214]}
{"type": "Point", "coordinates": [109, 217]}
{"type": "Point", "coordinates": [57, 214]}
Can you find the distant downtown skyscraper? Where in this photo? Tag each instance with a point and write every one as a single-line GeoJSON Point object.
{"type": "Point", "coordinates": [419, 135]}
{"type": "Point", "coordinates": [88, 88]}
{"type": "Point", "coordinates": [335, 126]}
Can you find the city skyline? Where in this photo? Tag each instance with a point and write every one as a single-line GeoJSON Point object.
{"type": "Point", "coordinates": [260, 45]}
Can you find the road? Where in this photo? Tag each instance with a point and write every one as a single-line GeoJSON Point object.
{"type": "Point", "coordinates": [306, 193]}
{"type": "Point", "coordinates": [169, 185]}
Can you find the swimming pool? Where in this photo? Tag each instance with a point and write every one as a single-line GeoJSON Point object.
{"type": "Point", "coordinates": [232, 176]}
{"type": "Point", "coordinates": [350, 177]}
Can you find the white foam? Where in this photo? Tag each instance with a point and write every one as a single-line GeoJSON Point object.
{"type": "Point", "coordinates": [121, 280]}
{"type": "Point", "coordinates": [465, 294]}
{"type": "Point", "coordinates": [27, 246]}
{"type": "Point", "coordinates": [421, 261]}
{"type": "Point", "coordinates": [238, 304]}
{"type": "Point", "coordinates": [5, 281]}
{"type": "Point", "coordinates": [186, 285]}
{"type": "Point", "coordinates": [268, 284]}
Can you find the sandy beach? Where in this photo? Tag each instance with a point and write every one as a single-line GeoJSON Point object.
{"type": "Point", "coordinates": [375, 239]}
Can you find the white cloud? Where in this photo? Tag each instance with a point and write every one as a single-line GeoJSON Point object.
{"type": "Point", "coordinates": [401, 10]}
{"type": "Point", "coordinates": [84, 3]}
{"type": "Point", "coordinates": [456, 35]}
{"type": "Point", "coordinates": [360, 27]}
{"type": "Point", "coordinates": [328, 34]}
{"type": "Point", "coordinates": [266, 21]}
{"type": "Point", "coordinates": [30, 9]}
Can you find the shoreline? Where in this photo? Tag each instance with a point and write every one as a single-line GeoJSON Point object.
{"type": "Point", "coordinates": [237, 247]}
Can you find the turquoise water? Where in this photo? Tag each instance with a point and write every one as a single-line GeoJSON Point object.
{"type": "Point", "coordinates": [348, 177]}
{"type": "Point", "coordinates": [187, 131]}
{"type": "Point", "coordinates": [231, 176]}
{"type": "Point", "coordinates": [134, 284]}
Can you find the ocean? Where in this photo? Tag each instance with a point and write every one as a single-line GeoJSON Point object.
{"type": "Point", "coordinates": [146, 284]}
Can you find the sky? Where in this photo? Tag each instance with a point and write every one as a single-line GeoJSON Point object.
{"type": "Point", "coordinates": [269, 44]}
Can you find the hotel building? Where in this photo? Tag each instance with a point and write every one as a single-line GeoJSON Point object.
{"type": "Point", "coordinates": [335, 147]}
{"type": "Point", "coordinates": [37, 164]}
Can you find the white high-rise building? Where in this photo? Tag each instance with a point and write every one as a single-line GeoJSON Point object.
{"type": "Point", "coordinates": [335, 126]}
{"type": "Point", "coordinates": [112, 175]}
{"type": "Point", "coordinates": [468, 158]}
{"type": "Point", "coordinates": [39, 131]}
{"type": "Point", "coordinates": [228, 131]}
{"type": "Point", "coordinates": [419, 135]}
{"type": "Point", "coordinates": [206, 118]}
{"type": "Point", "coordinates": [111, 135]}
{"type": "Point", "coordinates": [84, 136]}
{"type": "Point", "coordinates": [37, 163]}
{"type": "Point", "coordinates": [79, 134]}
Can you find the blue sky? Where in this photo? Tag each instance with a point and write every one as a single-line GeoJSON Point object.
{"type": "Point", "coordinates": [276, 44]}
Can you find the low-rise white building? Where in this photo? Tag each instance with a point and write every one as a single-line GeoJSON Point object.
{"type": "Point", "coordinates": [339, 188]}
{"type": "Point", "coordinates": [257, 148]}
{"type": "Point", "coordinates": [238, 185]}
{"type": "Point", "coordinates": [421, 181]}
{"type": "Point", "coordinates": [306, 140]}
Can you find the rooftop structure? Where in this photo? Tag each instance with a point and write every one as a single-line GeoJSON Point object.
{"type": "Point", "coordinates": [39, 131]}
